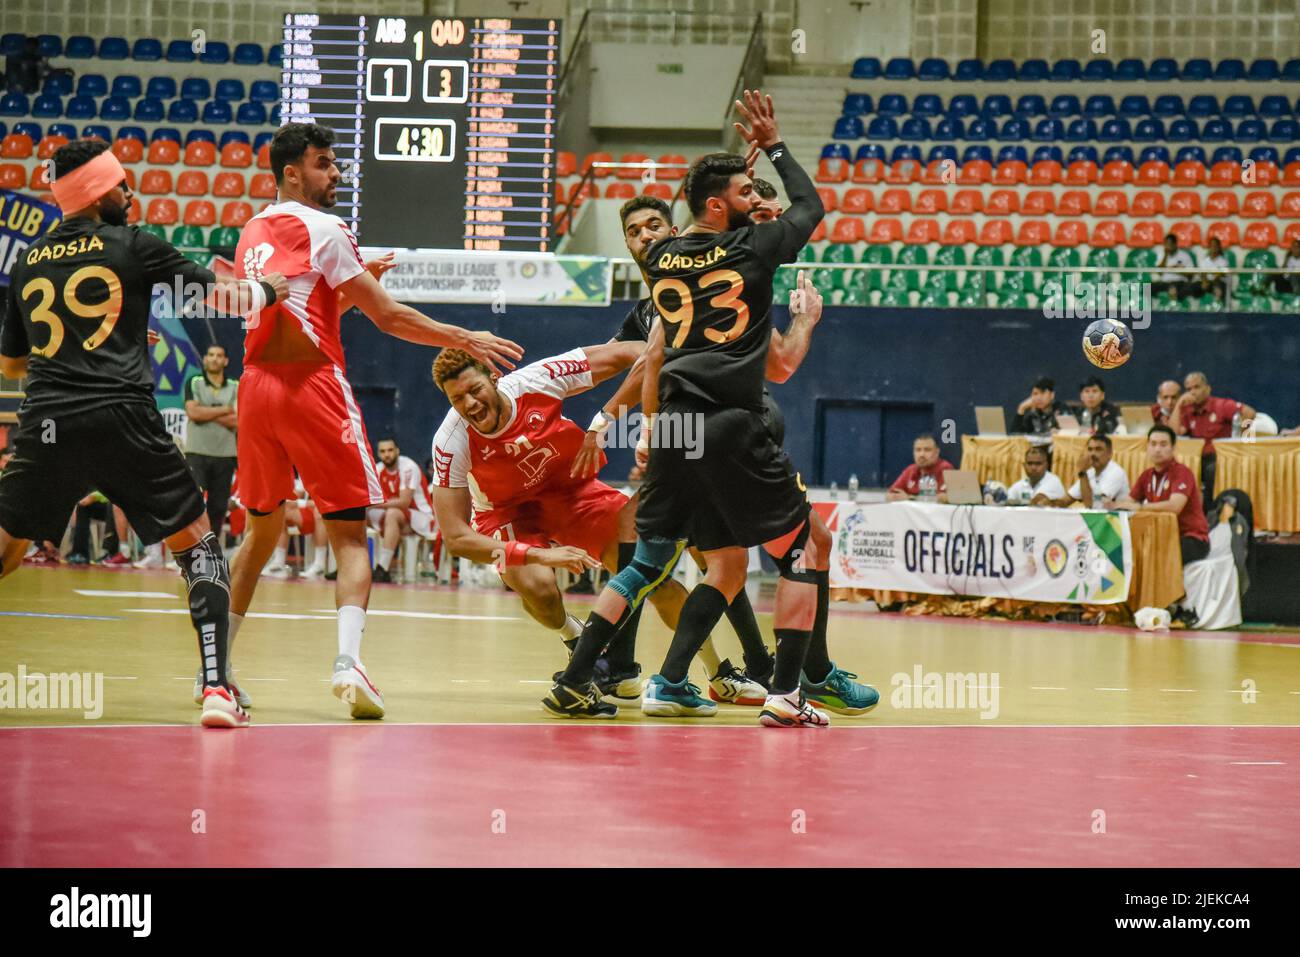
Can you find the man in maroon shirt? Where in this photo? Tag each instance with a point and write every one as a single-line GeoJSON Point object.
{"type": "Point", "coordinates": [1170, 486]}
{"type": "Point", "coordinates": [1166, 398]}
{"type": "Point", "coordinates": [924, 476]}
{"type": "Point", "coordinates": [1208, 417]}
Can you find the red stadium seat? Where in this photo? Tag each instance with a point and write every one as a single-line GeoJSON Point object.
{"type": "Point", "coordinates": [155, 182]}
{"type": "Point", "coordinates": [566, 164]}
{"type": "Point", "coordinates": [1112, 202]}
{"type": "Point", "coordinates": [995, 232]}
{"type": "Point", "coordinates": [264, 156]}
{"type": "Point", "coordinates": [848, 229]}
{"type": "Point", "coordinates": [830, 199]}
{"type": "Point", "coordinates": [1147, 203]}
{"type": "Point", "coordinates": [958, 232]}
{"type": "Point", "coordinates": [922, 232]}
{"type": "Point", "coordinates": [1259, 236]}
{"type": "Point", "coordinates": [632, 172]}
{"type": "Point", "coordinates": [1116, 173]}
{"type": "Point", "coordinates": [1226, 233]}
{"type": "Point", "coordinates": [1188, 173]}
{"type": "Point", "coordinates": [129, 150]}
{"type": "Point", "coordinates": [975, 173]}
{"type": "Point", "coordinates": [930, 202]}
{"type": "Point", "coordinates": [966, 201]}
{"type": "Point", "coordinates": [38, 182]}
{"type": "Point", "coordinates": [936, 170]}
{"type": "Point", "coordinates": [1225, 173]}
{"type": "Point", "coordinates": [236, 155]}
{"type": "Point", "coordinates": [904, 172]}
{"type": "Point", "coordinates": [133, 214]}
{"type": "Point", "coordinates": [578, 193]}
{"type": "Point", "coordinates": [1044, 173]}
{"type": "Point", "coordinates": [1219, 205]}
{"type": "Point", "coordinates": [16, 146]}
{"type": "Point", "coordinates": [236, 214]}
{"type": "Point", "coordinates": [1152, 173]}
{"type": "Point", "coordinates": [599, 157]}
{"type": "Point", "coordinates": [1184, 204]}
{"type": "Point", "coordinates": [1266, 174]}
{"type": "Point", "coordinates": [885, 231]}
{"type": "Point", "coordinates": [1290, 206]}
{"type": "Point", "coordinates": [1107, 234]}
{"type": "Point", "coordinates": [856, 201]}
{"type": "Point", "coordinates": [262, 186]}
{"type": "Point", "coordinates": [162, 212]}
{"type": "Point", "coordinates": [819, 234]}
{"type": "Point", "coordinates": [868, 171]}
{"type": "Point", "coordinates": [1291, 235]}
{"type": "Point", "coordinates": [832, 170]}
{"type": "Point", "coordinates": [559, 194]}
{"type": "Point", "coordinates": [48, 145]}
{"type": "Point", "coordinates": [1074, 202]}
{"type": "Point", "coordinates": [1010, 173]}
{"type": "Point", "coordinates": [200, 212]}
{"type": "Point", "coordinates": [894, 201]}
{"type": "Point", "coordinates": [1002, 202]}
{"type": "Point", "coordinates": [620, 191]}
{"type": "Point", "coordinates": [192, 182]}
{"type": "Point", "coordinates": [200, 153]}
{"type": "Point", "coordinates": [1080, 173]}
{"type": "Point", "coordinates": [164, 153]}
{"type": "Point", "coordinates": [1189, 234]}
{"type": "Point", "coordinates": [1038, 202]}
{"type": "Point", "coordinates": [658, 191]}
{"type": "Point", "coordinates": [12, 176]}
{"type": "Point", "coordinates": [672, 174]}
{"type": "Point", "coordinates": [1144, 235]}
{"type": "Point", "coordinates": [1070, 233]}
{"type": "Point", "coordinates": [1034, 232]}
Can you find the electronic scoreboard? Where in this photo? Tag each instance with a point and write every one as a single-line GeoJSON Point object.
{"type": "Point", "coordinates": [445, 126]}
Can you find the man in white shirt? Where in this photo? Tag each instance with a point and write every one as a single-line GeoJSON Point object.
{"type": "Point", "coordinates": [1103, 483]}
{"type": "Point", "coordinates": [1039, 486]}
{"type": "Point", "coordinates": [1176, 284]}
{"type": "Point", "coordinates": [1216, 279]}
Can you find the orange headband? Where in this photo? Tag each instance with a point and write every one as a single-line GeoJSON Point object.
{"type": "Point", "coordinates": [87, 183]}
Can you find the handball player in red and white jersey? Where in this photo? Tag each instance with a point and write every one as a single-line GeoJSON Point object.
{"type": "Point", "coordinates": [406, 507]}
{"type": "Point", "coordinates": [503, 489]}
{"type": "Point", "coordinates": [296, 409]}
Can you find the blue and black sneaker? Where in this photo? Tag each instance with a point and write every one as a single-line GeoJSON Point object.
{"type": "Point", "coordinates": [840, 693]}
{"type": "Point", "coordinates": [663, 699]}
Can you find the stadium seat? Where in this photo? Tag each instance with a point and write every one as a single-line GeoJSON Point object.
{"type": "Point", "coordinates": [885, 231]}
{"type": "Point", "coordinates": [1002, 202]}
{"type": "Point", "coordinates": [1082, 154]}
{"type": "Point", "coordinates": [977, 152]}
{"type": "Point", "coordinates": [1219, 130]}
{"type": "Point", "coordinates": [250, 114]}
{"type": "Point", "coordinates": [114, 48]}
{"type": "Point", "coordinates": [1099, 105]}
{"type": "Point", "coordinates": [1116, 130]}
{"type": "Point", "coordinates": [200, 153]}
{"type": "Point", "coordinates": [1224, 173]}
{"type": "Point", "coordinates": [46, 148]}
{"type": "Point", "coordinates": [1227, 233]}
{"type": "Point", "coordinates": [970, 70]}
{"type": "Point", "coordinates": [1067, 104]}
{"type": "Point", "coordinates": [161, 88]}
{"type": "Point", "coordinates": [1259, 236]}
{"type": "Point", "coordinates": [939, 172]}
{"type": "Point", "coordinates": [857, 104]}
{"type": "Point", "coordinates": [1081, 131]}
{"type": "Point", "coordinates": [995, 232]}
{"type": "Point", "coordinates": [966, 202]}
{"type": "Point", "coordinates": [128, 85]}
{"type": "Point", "coordinates": [14, 104]}
{"type": "Point", "coordinates": [980, 129]}
{"type": "Point", "coordinates": [147, 49]}
{"type": "Point", "coordinates": [1099, 69]}
{"type": "Point", "coordinates": [1228, 154]}
{"type": "Point", "coordinates": [264, 91]}
{"type": "Point", "coordinates": [1266, 174]}
{"type": "Point", "coordinates": [1188, 173]}
{"type": "Point", "coordinates": [950, 128]}
{"type": "Point", "coordinates": [155, 182]}
{"type": "Point", "coordinates": [1188, 233]}
{"type": "Point", "coordinates": [580, 192]}
{"type": "Point", "coordinates": [47, 106]}
{"type": "Point", "coordinates": [228, 185]}
{"type": "Point", "coordinates": [227, 237]}
{"type": "Point", "coordinates": [1072, 232]}
{"type": "Point", "coordinates": [233, 136]}
{"type": "Point", "coordinates": [1034, 232]}
{"type": "Point", "coordinates": [958, 232]}
{"type": "Point", "coordinates": [1184, 204]}
{"type": "Point", "coordinates": [115, 108]}
{"type": "Point", "coordinates": [1010, 173]}
{"type": "Point", "coordinates": [1074, 202]}
{"type": "Point", "coordinates": [1291, 174]}
{"type": "Point", "coordinates": [215, 51]}
{"type": "Point", "coordinates": [162, 212]}
{"type": "Point", "coordinates": [182, 111]}
{"type": "Point", "coordinates": [597, 157]}
{"type": "Point", "coordinates": [188, 236]}
{"type": "Point", "coordinates": [264, 139]}
{"type": "Point", "coordinates": [200, 212]}
{"type": "Point", "coordinates": [932, 68]}
{"type": "Point", "coordinates": [1274, 107]}
{"type": "Point", "coordinates": [1258, 205]}
{"type": "Point", "coordinates": [148, 109]}
{"type": "Point", "coordinates": [828, 197]}
{"type": "Point", "coordinates": [975, 173]}
{"type": "Point", "coordinates": [848, 128]}
{"type": "Point", "coordinates": [81, 108]}
{"type": "Point", "coordinates": [1282, 131]}
{"type": "Point", "coordinates": [1014, 129]}
{"type": "Point", "coordinates": [59, 84]}
{"type": "Point", "coordinates": [892, 104]}
{"type": "Point", "coordinates": [164, 153]}
{"type": "Point", "coordinates": [1044, 173]}
{"type": "Point", "coordinates": [1115, 173]}
{"type": "Point", "coordinates": [1049, 130]}
{"type": "Point", "coordinates": [1111, 202]}
{"type": "Point", "coordinates": [1038, 202]}
{"type": "Point", "coordinates": [880, 128]}
{"type": "Point", "coordinates": [1080, 173]}
{"type": "Point", "coordinates": [858, 201]}
{"type": "Point", "coordinates": [893, 201]}
{"type": "Point", "coordinates": [848, 229]}
{"type": "Point", "coordinates": [916, 128]}
{"type": "Point", "coordinates": [1238, 106]}
{"type": "Point", "coordinates": [963, 105]}
{"type": "Point", "coordinates": [79, 48]}
{"type": "Point", "coordinates": [216, 112]}
{"type": "Point", "coordinates": [620, 191]}
{"type": "Point", "coordinates": [832, 171]}
{"type": "Point", "coordinates": [37, 182]}
{"type": "Point", "coordinates": [1145, 235]}
{"type": "Point", "coordinates": [197, 135]}
{"type": "Point", "coordinates": [1162, 69]}
{"type": "Point", "coordinates": [192, 183]}
{"type": "Point", "coordinates": [1263, 70]}
{"type": "Point", "coordinates": [12, 176]}
{"type": "Point", "coordinates": [1065, 71]}
{"type": "Point", "coordinates": [1108, 234]}
{"type": "Point", "coordinates": [926, 105]}
{"type": "Point", "coordinates": [631, 172]}
{"type": "Point", "coordinates": [658, 191]}
{"type": "Point", "coordinates": [835, 151]}
{"type": "Point", "coordinates": [868, 151]}
{"type": "Point", "coordinates": [66, 130]}
{"type": "Point", "coordinates": [275, 55]}
{"type": "Point", "coordinates": [128, 151]}
{"type": "Point", "coordinates": [867, 68]}
{"type": "Point", "coordinates": [1290, 207]}
{"type": "Point", "coordinates": [1183, 130]}
{"type": "Point", "coordinates": [1291, 235]}
{"type": "Point", "coordinates": [1031, 105]}
{"type": "Point", "coordinates": [31, 130]}
{"type": "Point", "coordinates": [248, 54]}
{"type": "Point", "coordinates": [16, 146]}
{"type": "Point", "coordinates": [868, 171]}
{"type": "Point", "coordinates": [196, 88]}
{"type": "Point", "coordinates": [1000, 71]}
{"type": "Point", "coordinates": [229, 88]}
{"type": "Point", "coordinates": [1034, 71]}
{"type": "Point", "coordinates": [1147, 203]}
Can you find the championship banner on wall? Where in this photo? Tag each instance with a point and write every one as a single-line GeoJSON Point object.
{"type": "Point", "coordinates": [23, 220]}
{"type": "Point", "coordinates": [1029, 554]}
{"type": "Point", "coordinates": [498, 278]}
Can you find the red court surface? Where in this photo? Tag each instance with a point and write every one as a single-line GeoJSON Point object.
{"type": "Point", "coordinates": [420, 795]}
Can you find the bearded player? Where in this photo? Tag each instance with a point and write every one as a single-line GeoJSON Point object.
{"type": "Point", "coordinates": [406, 507]}
{"type": "Point", "coordinates": [296, 408]}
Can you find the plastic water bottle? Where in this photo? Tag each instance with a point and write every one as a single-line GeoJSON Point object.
{"type": "Point", "coordinates": [853, 487]}
{"type": "Point", "coordinates": [835, 490]}
{"type": "Point", "coordinates": [1236, 424]}
{"type": "Point", "coordinates": [1085, 420]}
{"type": "Point", "coordinates": [928, 488]}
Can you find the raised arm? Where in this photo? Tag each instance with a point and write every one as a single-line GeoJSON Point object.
{"type": "Point", "coordinates": [587, 461]}
{"type": "Point", "coordinates": [785, 236]}
{"type": "Point", "coordinates": [787, 351]}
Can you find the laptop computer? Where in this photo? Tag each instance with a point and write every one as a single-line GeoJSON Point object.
{"type": "Point", "coordinates": [1137, 418]}
{"type": "Point", "coordinates": [1068, 424]}
{"type": "Point", "coordinates": [963, 487]}
{"type": "Point", "coordinates": [991, 420]}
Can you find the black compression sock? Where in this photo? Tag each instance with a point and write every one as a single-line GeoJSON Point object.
{"type": "Point", "coordinates": [596, 634]}
{"type": "Point", "coordinates": [817, 663]}
{"type": "Point", "coordinates": [791, 646]}
{"type": "Point", "coordinates": [740, 613]}
{"type": "Point", "coordinates": [703, 609]}
{"type": "Point", "coordinates": [208, 583]}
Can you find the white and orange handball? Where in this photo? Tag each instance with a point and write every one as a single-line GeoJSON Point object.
{"type": "Point", "coordinates": [1107, 343]}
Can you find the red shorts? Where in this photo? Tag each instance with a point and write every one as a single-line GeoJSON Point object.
{"type": "Point", "coordinates": [303, 416]}
{"type": "Point", "coordinates": [584, 516]}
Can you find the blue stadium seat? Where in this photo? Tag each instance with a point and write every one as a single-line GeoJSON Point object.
{"type": "Point", "coordinates": [66, 130]}
{"type": "Point", "coordinates": [97, 131]}
{"type": "Point", "coordinates": [149, 109]}
{"type": "Point", "coordinates": [127, 85]}
{"type": "Point", "coordinates": [973, 153]}
{"type": "Point", "coordinates": [1291, 72]}
{"type": "Point", "coordinates": [266, 91]}
{"type": "Point", "coordinates": [1217, 130]}
{"type": "Point", "coordinates": [1154, 154]}
{"type": "Point", "coordinates": [905, 151]}
{"type": "Point", "coordinates": [1049, 130]}
{"type": "Point", "coordinates": [979, 129]}
{"type": "Point", "coordinates": [1013, 153]}
{"type": "Point", "coordinates": [275, 55]}
{"type": "Point", "coordinates": [1135, 104]}
{"type": "Point", "coordinates": [49, 45]}
{"type": "Point", "coordinates": [881, 128]}
{"type": "Point", "coordinates": [1118, 154]}
{"type": "Point", "coordinates": [1031, 105]}
{"type": "Point", "coordinates": [848, 128]}
{"type": "Point", "coordinates": [182, 111]}
{"type": "Point", "coordinates": [1149, 129]}
{"type": "Point", "coordinates": [4, 130]}
{"type": "Point", "coordinates": [274, 118]}
{"type": "Point", "coordinates": [1082, 154]}
{"type": "Point", "coordinates": [1099, 105]}
{"type": "Point", "coordinates": [1284, 131]}
{"type": "Point", "coordinates": [1049, 153]}
{"type": "Point", "coordinates": [1081, 131]}
{"type": "Point", "coordinates": [58, 83]}
{"type": "Point", "coordinates": [867, 151]}
{"type": "Point", "coordinates": [180, 51]}
{"type": "Point", "coordinates": [932, 68]}
{"type": "Point", "coordinates": [1263, 70]}
{"type": "Point", "coordinates": [864, 68]}
{"type": "Point", "coordinates": [1203, 106]}
{"type": "Point", "coordinates": [950, 128]}
{"type": "Point", "coordinates": [13, 44]}
{"type": "Point", "coordinates": [14, 104]}
{"type": "Point", "coordinates": [900, 68]}
{"type": "Point", "coordinates": [31, 129]}
{"type": "Point", "coordinates": [1014, 129]}
{"type": "Point", "coordinates": [1064, 71]}
{"type": "Point", "coordinates": [1096, 70]}
{"type": "Point", "coordinates": [1114, 130]}
{"type": "Point", "coordinates": [829, 151]}
{"type": "Point", "coordinates": [92, 84]}
{"type": "Point", "coordinates": [248, 54]}
{"type": "Point", "coordinates": [1169, 104]}
{"type": "Point", "coordinates": [1248, 131]}
{"type": "Point", "coordinates": [1226, 154]}
{"type": "Point", "coordinates": [1034, 71]}
{"type": "Point", "coordinates": [1197, 69]}
{"type": "Point", "coordinates": [1130, 69]}
{"type": "Point", "coordinates": [1067, 104]}
{"type": "Point", "coordinates": [914, 128]}
{"type": "Point", "coordinates": [1162, 69]}
{"type": "Point", "coordinates": [254, 114]}
{"type": "Point", "coordinates": [132, 133]}
{"type": "Point", "coordinates": [1264, 154]}
{"type": "Point", "coordinates": [161, 87]}
{"type": "Point", "coordinates": [81, 108]}
{"type": "Point", "coordinates": [147, 48]}
{"type": "Point", "coordinates": [79, 48]}
{"type": "Point", "coordinates": [229, 89]}
{"type": "Point", "coordinates": [196, 88]}
{"type": "Point", "coordinates": [47, 106]}
{"type": "Point", "coordinates": [995, 106]}
{"type": "Point", "coordinates": [266, 136]}
{"type": "Point", "coordinates": [855, 104]}
{"type": "Point", "coordinates": [1187, 154]}
{"type": "Point", "coordinates": [963, 105]}
{"type": "Point", "coordinates": [971, 70]}
{"type": "Point", "coordinates": [114, 48]}
{"type": "Point", "coordinates": [115, 108]}
{"type": "Point", "coordinates": [892, 104]}
{"type": "Point", "coordinates": [1238, 106]}
{"type": "Point", "coordinates": [1183, 130]}
{"type": "Point", "coordinates": [1231, 70]}
{"type": "Point", "coordinates": [927, 104]}
{"type": "Point", "coordinates": [1292, 156]}
{"type": "Point", "coordinates": [200, 135]}
{"type": "Point", "coordinates": [1000, 71]}
{"type": "Point", "coordinates": [165, 133]}
{"type": "Point", "coordinates": [215, 51]}
{"type": "Point", "coordinates": [942, 151]}
{"type": "Point", "coordinates": [1273, 106]}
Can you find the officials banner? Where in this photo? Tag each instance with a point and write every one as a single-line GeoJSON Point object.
{"type": "Point", "coordinates": [498, 278]}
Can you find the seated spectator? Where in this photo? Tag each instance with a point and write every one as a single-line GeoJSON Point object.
{"type": "Point", "coordinates": [923, 479]}
{"type": "Point", "coordinates": [1289, 282]}
{"type": "Point", "coordinates": [1103, 483]}
{"type": "Point", "coordinates": [1216, 279]}
{"type": "Point", "coordinates": [1036, 415]}
{"type": "Point", "coordinates": [93, 506]}
{"type": "Point", "coordinates": [1170, 486]}
{"type": "Point", "coordinates": [1176, 284]}
{"type": "Point", "coordinates": [1166, 398]}
{"type": "Point", "coordinates": [1039, 486]}
{"type": "Point", "coordinates": [1095, 414]}
{"type": "Point", "coordinates": [1209, 417]}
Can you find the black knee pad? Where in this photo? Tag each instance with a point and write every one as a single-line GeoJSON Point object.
{"type": "Point", "coordinates": [346, 515]}
{"type": "Point", "coordinates": [791, 565]}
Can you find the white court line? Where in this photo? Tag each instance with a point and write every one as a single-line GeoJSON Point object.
{"type": "Point", "coordinates": [1045, 688]}
{"type": "Point", "coordinates": [471, 681]}
{"type": "Point", "coordinates": [251, 614]}
{"type": "Point", "coordinates": [1110, 689]}
{"type": "Point", "coordinates": [383, 613]}
{"type": "Point", "coordinates": [97, 593]}
{"type": "Point", "coordinates": [1185, 690]}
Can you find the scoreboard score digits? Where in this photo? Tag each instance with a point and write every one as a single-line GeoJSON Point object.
{"type": "Point", "coordinates": [445, 127]}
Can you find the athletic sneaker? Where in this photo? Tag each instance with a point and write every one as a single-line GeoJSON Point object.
{"type": "Point", "coordinates": [282, 570]}
{"type": "Point", "coordinates": [618, 687]}
{"type": "Point", "coordinates": [313, 573]}
{"type": "Point", "coordinates": [840, 693]}
{"type": "Point", "coordinates": [153, 558]}
{"type": "Point", "coordinates": [732, 686]}
{"type": "Point", "coordinates": [221, 710]}
{"type": "Point", "coordinates": [199, 685]}
{"type": "Point", "coordinates": [116, 560]}
{"type": "Point", "coordinates": [565, 702]}
{"type": "Point", "coordinates": [381, 575]}
{"type": "Point", "coordinates": [663, 699]}
{"type": "Point", "coordinates": [791, 711]}
{"type": "Point", "coordinates": [351, 686]}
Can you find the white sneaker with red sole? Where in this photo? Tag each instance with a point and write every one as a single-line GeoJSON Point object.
{"type": "Point", "coordinates": [221, 710]}
{"type": "Point", "coordinates": [352, 686]}
{"type": "Point", "coordinates": [791, 711]}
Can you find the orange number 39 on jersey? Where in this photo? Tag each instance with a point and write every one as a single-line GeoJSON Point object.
{"type": "Point", "coordinates": [684, 314]}
{"type": "Point", "coordinates": [108, 311]}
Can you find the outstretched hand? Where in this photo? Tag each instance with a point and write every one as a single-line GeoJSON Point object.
{"type": "Point", "coordinates": [492, 350]}
{"type": "Point", "coordinates": [377, 267]}
{"type": "Point", "coordinates": [756, 110]}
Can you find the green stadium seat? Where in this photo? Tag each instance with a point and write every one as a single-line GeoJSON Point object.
{"type": "Point", "coordinates": [1102, 257]}
{"type": "Point", "coordinates": [950, 256]}
{"type": "Point", "coordinates": [1061, 260]}
{"type": "Point", "coordinates": [838, 253]}
{"type": "Point", "coordinates": [188, 237]}
{"type": "Point", "coordinates": [1136, 264]}
{"type": "Point", "coordinates": [1012, 299]}
{"type": "Point", "coordinates": [153, 230]}
{"type": "Point", "coordinates": [895, 297]}
{"type": "Point", "coordinates": [910, 256]}
{"type": "Point", "coordinates": [223, 237]}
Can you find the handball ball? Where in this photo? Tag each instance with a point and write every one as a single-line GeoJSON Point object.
{"type": "Point", "coordinates": [1107, 343]}
{"type": "Point", "coordinates": [995, 493]}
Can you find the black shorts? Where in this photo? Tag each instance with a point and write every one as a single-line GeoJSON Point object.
{"type": "Point", "coordinates": [122, 451]}
{"type": "Point", "coordinates": [739, 490]}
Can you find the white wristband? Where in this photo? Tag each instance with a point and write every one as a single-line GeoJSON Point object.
{"type": "Point", "coordinates": [257, 293]}
{"type": "Point", "coordinates": [647, 430]}
{"type": "Point", "coordinates": [601, 423]}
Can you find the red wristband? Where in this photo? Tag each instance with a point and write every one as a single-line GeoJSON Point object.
{"type": "Point", "coordinates": [515, 553]}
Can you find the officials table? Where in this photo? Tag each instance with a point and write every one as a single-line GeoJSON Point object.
{"type": "Point", "coordinates": [1268, 470]}
{"type": "Point", "coordinates": [1001, 458]}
